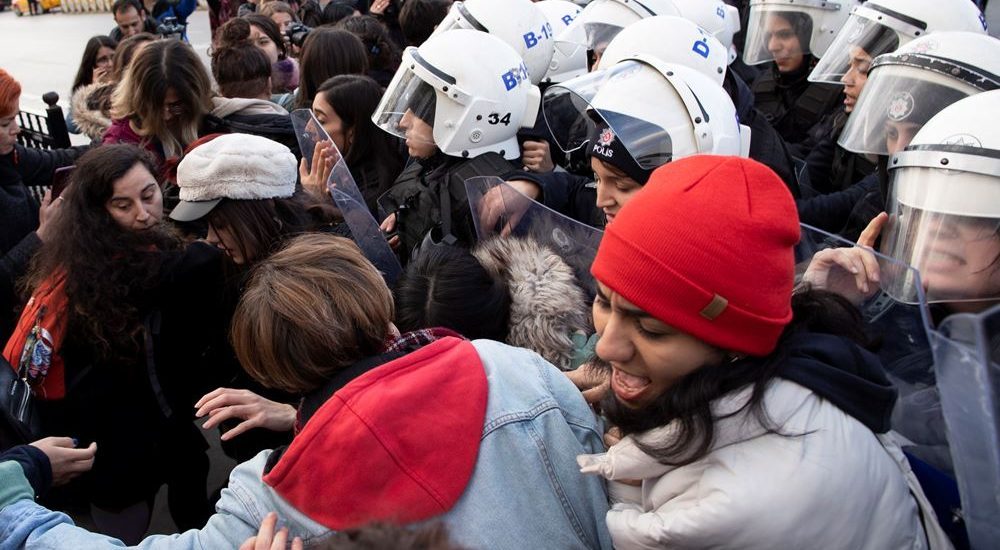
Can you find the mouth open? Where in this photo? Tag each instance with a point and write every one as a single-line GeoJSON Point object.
{"type": "Point", "coordinates": [628, 387]}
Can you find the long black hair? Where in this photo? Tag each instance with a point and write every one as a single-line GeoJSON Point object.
{"type": "Point", "coordinates": [355, 98]}
{"type": "Point", "coordinates": [85, 74]}
{"type": "Point", "coordinates": [687, 404]}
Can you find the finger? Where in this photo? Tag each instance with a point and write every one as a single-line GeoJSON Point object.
{"type": "Point", "coordinates": [66, 442]}
{"type": "Point", "coordinates": [297, 544]}
{"type": "Point", "coordinates": [249, 543]}
{"type": "Point", "coordinates": [394, 242]}
{"type": "Point", "coordinates": [595, 394]}
{"type": "Point", "coordinates": [249, 424]}
{"type": "Point", "coordinates": [214, 393]}
{"type": "Point", "coordinates": [871, 265]}
{"type": "Point", "coordinates": [871, 233]}
{"type": "Point", "coordinates": [303, 174]}
{"type": "Point", "coordinates": [280, 539]}
{"type": "Point", "coordinates": [218, 416]}
{"type": "Point", "coordinates": [266, 532]}
{"type": "Point", "coordinates": [216, 403]}
{"type": "Point", "coordinates": [47, 198]}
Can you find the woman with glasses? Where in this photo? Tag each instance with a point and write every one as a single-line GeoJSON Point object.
{"type": "Point", "coordinates": [95, 72]}
{"type": "Point", "coordinates": [162, 99]}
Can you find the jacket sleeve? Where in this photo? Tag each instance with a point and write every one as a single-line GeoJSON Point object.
{"type": "Point", "coordinates": [831, 212]}
{"type": "Point", "coordinates": [36, 166]}
{"type": "Point", "coordinates": [569, 194]}
{"type": "Point", "coordinates": [27, 524]}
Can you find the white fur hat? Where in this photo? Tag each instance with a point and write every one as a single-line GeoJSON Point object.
{"type": "Point", "coordinates": [233, 166]}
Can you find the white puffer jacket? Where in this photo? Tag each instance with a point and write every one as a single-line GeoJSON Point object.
{"type": "Point", "coordinates": [837, 485]}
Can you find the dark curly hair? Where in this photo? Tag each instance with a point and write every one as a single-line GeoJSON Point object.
{"type": "Point", "coordinates": [107, 268]}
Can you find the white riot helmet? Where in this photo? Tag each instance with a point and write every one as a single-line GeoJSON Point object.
{"type": "Point", "coordinates": [814, 22]}
{"type": "Point", "coordinates": [569, 59]}
{"type": "Point", "coordinates": [475, 102]}
{"type": "Point", "coordinates": [715, 16]}
{"type": "Point", "coordinates": [881, 26]}
{"type": "Point", "coordinates": [906, 88]}
{"type": "Point", "coordinates": [601, 20]}
{"type": "Point", "coordinates": [643, 113]}
{"type": "Point", "coordinates": [944, 206]}
{"type": "Point", "coordinates": [673, 40]}
{"type": "Point", "coordinates": [517, 22]}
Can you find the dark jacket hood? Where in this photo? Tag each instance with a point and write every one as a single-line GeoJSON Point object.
{"type": "Point", "coordinates": [843, 373]}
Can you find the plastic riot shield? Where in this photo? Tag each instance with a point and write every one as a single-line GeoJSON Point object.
{"type": "Point", "coordinates": [348, 198]}
{"type": "Point", "coordinates": [499, 209]}
{"type": "Point", "coordinates": [825, 262]}
{"type": "Point", "coordinates": [967, 363]}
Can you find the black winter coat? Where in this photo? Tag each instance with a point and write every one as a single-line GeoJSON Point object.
{"type": "Point", "coordinates": [19, 218]}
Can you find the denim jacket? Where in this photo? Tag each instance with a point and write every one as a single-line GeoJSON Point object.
{"type": "Point", "coordinates": [525, 490]}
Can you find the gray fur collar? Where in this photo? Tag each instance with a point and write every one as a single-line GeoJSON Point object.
{"type": "Point", "coordinates": [547, 304]}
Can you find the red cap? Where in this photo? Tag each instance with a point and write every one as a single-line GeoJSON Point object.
{"type": "Point", "coordinates": [707, 247]}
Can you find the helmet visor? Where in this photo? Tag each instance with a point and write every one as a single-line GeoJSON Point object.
{"type": "Point", "coordinates": [605, 110]}
{"type": "Point", "coordinates": [407, 108]}
{"type": "Point", "coordinates": [896, 102]}
{"type": "Point", "coordinates": [854, 48]}
{"type": "Point", "coordinates": [946, 224]}
{"type": "Point", "coordinates": [776, 34]}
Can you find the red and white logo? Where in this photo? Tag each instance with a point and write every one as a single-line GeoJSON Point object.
{"type": "Point", "coordinates": [606, 137]}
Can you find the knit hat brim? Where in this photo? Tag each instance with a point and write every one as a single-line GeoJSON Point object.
{"type": "Point", "coordinates": [189, 211]}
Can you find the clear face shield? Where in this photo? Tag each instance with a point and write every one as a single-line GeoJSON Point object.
{"type": "Point", "coordinates": [901, 95]}
{"type": "Point", "coordinates": [408, 106]}
{"type": "Point", "coordinates": [859, 42]}
{"type": "Point", "coordinates": [500, 210]}
{"type": "Point", "coordinates": [594, 28]}
{"type": "Point", "coordinates": [347, 197]}
{"type": "Point", "coordinates": [945, 223]}
{"type": "Point", "coordinates": [777, 32]}
{"type": "Point", "coordinates": [621, 99]}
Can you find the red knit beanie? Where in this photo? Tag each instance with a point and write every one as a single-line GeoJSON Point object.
{"type": "Point", "coordinates": [707, 247]}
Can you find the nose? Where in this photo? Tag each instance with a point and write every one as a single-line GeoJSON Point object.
{"type": "Point", "coordinates": [848, 79]}
{"type": "Point", "coordinates": [773, 43]}
{"type": "Point", "coordinates": [15, 129]}
{"type": "Point", "coordinates": [605, 196]}
{"type": "Point", "coordinates": [613, 344]}
{"type": "Point", "coordinates": [213, 237]}
{"type": "Point", "coordinates": [143, 216]}
{"type": "Point", "coordinates": [406, 122]}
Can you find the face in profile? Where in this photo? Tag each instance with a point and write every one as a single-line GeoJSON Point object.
{"type": "Point", "coordinates": [856, 76]}
{"type": "Point", "coordinates": [223, 238]}
{"type": "Point", "coordinates": [646, 355]}
{"type": "Point", "coordinates": [783, 44]}
{"type": "Point", "coordinates": [136, 203]}
{"type": "Point", "coordinates": [419, 136]}
{"type": "Point", "coordinates": [614, 188]}
{"type": "Point", "coordinates": [331, 122]}
{"type": "Point", "coordinates": [9, 129]}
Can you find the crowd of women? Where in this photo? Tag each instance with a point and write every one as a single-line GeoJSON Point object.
{"type": "Point", "coordinates": [507, 274]}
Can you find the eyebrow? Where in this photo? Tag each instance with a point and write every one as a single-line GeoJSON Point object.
{"type": "Point", "coordinates": [630, 311]}
{"type": "Point", "coordinates": [148, 185]}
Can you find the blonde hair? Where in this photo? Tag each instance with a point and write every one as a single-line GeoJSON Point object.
{"type": "Point", "coordinates": [311, 309]}
{"type": "Point", "coordinates": [160, 66]}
